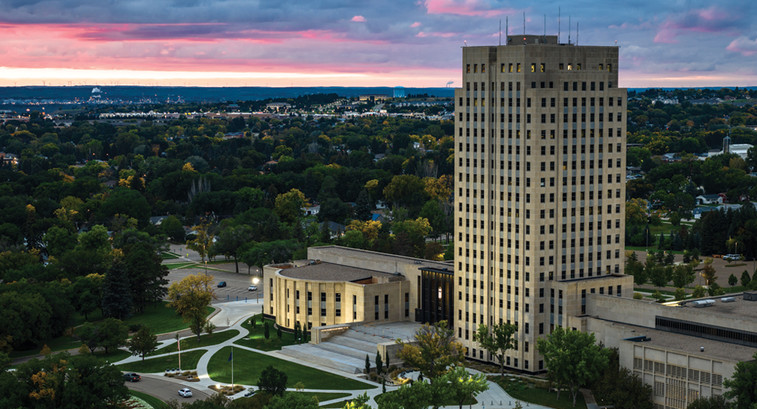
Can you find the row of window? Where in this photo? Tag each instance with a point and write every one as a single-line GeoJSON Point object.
{"type": "Point", "coordinates": [517, 133]}
{"type": "Point", "coordinates": [533, 67]}
{"type": "Point", "coordinates": [552, 102]}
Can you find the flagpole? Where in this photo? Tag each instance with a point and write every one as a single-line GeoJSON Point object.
{"type": "Point", "coordinates": [232, 367]}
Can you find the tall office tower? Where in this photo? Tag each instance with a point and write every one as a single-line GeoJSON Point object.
{"type": "Point", "coordinates": [540, 186]}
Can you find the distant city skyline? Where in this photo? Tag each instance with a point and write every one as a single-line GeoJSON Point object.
{"type": "Point", "coordinates": [386, 43]}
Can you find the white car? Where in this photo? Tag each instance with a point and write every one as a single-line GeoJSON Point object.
{"type": "Point", "coordinates": [252, 288]}
{"type": "Point", "coordinates": [185, 393]}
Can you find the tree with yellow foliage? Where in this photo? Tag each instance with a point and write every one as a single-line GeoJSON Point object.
{"type": "Point", "coordinates": [190, 298]}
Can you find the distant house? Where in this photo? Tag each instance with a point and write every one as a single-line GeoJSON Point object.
{"type": "Point", "coordinates": [709, 199]}
{"type": "Point", "coordinates": [8, 159]}
{"type": "Point", "coordinates": [336, 230]}
{"type": "Point", "coordinates": [278, 106]}
{"type": "Point", "coordinates": [699, 211]}
{"type": "Point", "coordinates": [311, 210]}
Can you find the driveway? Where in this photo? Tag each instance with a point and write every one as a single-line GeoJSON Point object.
{"type": "Point", "coordinates": [166, 389]}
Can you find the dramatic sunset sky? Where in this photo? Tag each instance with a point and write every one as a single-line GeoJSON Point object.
{"type": "Point", "coordinates": [413, 43]}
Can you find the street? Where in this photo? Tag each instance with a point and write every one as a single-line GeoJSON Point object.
{"type": "Point", "coordinates": [165, 389]}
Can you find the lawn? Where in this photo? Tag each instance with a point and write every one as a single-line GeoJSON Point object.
{"type": "Point", "coordinates": [205, 340]}
{"type": "Point", "coordinates": [249, 365]}
{"type": "Point", "coordinates": [256, 338]}
{"type": "Point", "coordinates": [175, 266]}
{"type": "Point", "coordinates": [149, 399]}
{"type": "Point", "coordinates": [323, 396]}
{"type": "Point", "coordinates": [58, 344]}
{"type": "Point", "coordinates": [528, 392]}
{"type": "Point", "coordinates": [168, 255]}
{"type": "Point", "coordinates": [188, 362]}
{"type": "Point", "coordinates": [160, 318]}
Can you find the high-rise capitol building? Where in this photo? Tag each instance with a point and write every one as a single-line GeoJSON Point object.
{"type": "Point", "coordinates": [540, 131]}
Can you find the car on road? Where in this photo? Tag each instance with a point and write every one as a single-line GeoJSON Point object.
{"type": "Point", "coordinates": [252, 288]}
{"type": "Point", "coordinates": [221, 284]}
{"type": "Point", "coordinates": [732, 257]}
{"type": "Point", "coordinates": [250, 392]}
{"type": "Point", "coordinates": [185, 393]}
{"type": "Point", "coordinates": [132, 377]}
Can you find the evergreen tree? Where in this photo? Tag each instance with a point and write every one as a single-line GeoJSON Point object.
{"type": "Point", "coordinates": [367, 364]}
{"type": "Point", "coordinates": [116, 300]}
{"type": "Point", "coordinates": [379, 363]}
{"type": "Point", "coordinates": [745, 279]}
{"type": "Point", "coordinates": [266, 330]}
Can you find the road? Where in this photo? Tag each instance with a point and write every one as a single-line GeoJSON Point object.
{"type": "Point", "coordinates": [165, 389]}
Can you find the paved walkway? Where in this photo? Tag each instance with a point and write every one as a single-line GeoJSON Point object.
{"type": "Point", "coordinates": [234, 313]}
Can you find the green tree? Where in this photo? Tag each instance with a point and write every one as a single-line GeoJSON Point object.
{"type": "Point", "coordinates": [146, 272]}
{"type": "Point", "coordinates": [25, 319]}
{"type": "Point", "coordinates": [86, 293]}
{"type": "Point", "coordinates": [745, 279]}
{"type": "Point", "coordinates": [683, 275]}
{"type": "Point", "coordinates": [171, 226]}
{"type": "Point", "coordinates": [272, 381]}
{"type": "Point", "coordinates": [708, 272]}
{"type": "Point", "coordinates": [732, 280]}
{"type": "Point", "coordinates": [434, 350]}
{"type": "Point", "coordinates": [190, 298]}
{"type": "Point", "coordinates": [293, 401]}
{"type": "Point", "coordinates": [680, 294]}
{"type": "Point", "coordinates": [573, 359]}
{"type": "Point", "coordinates": [289, 205]}
{"type": "Point", "coordinates": [461, 385]}
{"type": "Point", "coordinates": [618, 387]}
{"type": "Point", "coordinates": [497, 340]}
{"type": "Point", "coordinates": [379, 363]}
{"type": "Point", "coordinates": [698, 292]}
{"type": "Point", "coordinates": [116, 292]}
{"type": "Point", "coordinates": [742, 387]}
{"type": "Point", "coordinates": [143, 342]}
{"type": "Point", "coordinates": [266, 330]}
{"type": "Point", "coordinates": [231, 240]}
{"type": "Point", "coordinates": [418, 395]}
{"type": "Point", "coordinates": [108, 334]}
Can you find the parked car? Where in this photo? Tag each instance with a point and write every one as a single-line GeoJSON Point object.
{"type": "Point", "coordinates": [132, 377]}
{"type": "Point", "coordinates": [221, 284]}
{"type": "Point", "coordinates": [252, 288]}
{"type": "Point", "coordinates": [732, 257]}
{"type": "Point", "coordinates": [250, 392]}
{"type": "Point", "coordinates": [185, 393]}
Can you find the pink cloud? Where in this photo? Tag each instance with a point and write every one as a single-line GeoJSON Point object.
{"type": "Point", "coordinates": [709, 20]}
{"type": "Point", "coordinates": [463, 8]}
{"type": "Point", "coordinates": [358, 19]}
{"type": "Point", "coordinates": [744, 45]}
{"type": "Point", "coordinates": [416, 24]}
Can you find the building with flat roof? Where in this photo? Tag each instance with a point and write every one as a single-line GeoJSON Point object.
{"type": "Point", "coordinates": [539, 188]}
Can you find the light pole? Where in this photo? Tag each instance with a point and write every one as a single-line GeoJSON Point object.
{"type": "Point", "coordinates": [255, 282]}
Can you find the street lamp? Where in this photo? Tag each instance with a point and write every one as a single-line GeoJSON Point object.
{"type": "Point", "coordinates": [255, 281]}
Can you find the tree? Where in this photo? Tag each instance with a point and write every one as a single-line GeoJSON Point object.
{"type": "Point", "coordinates": [143, 342]}
{"type": "Point", "coordinates": [497, 340]}
{"type": "Point", "coordinates": [202, 241]}
{"type": "Point", "coordinates": [379, 363]}
{"type": "Point", "coordinates": [272, 381]}
{"type": "Point", "coordinates": [367, 364]}
{"type": "Point", "coordinates": [108, 334]}
{"type": "Point", "coordinates": [434, 351]}
{"type": "Point", "coordinates": [680, 294]}
{"type": "Point", "coordinates": [190, 298]}
{"type": "Point", "coordinates": [231, 240]}
{"type": "Point", "coordinates": [619, 387]}
{"type": "Point", "coordinates": [743, 385]}
{"type": "Point", "coordinates": [116, 292]}
{"type": "Point", "coordinates": [146, 272]}
{"type": "Point", "coordinates": [418, 395]}
{"type": "Point", "coordinates": [712, 402]}
{"type": "Point", "coordinates": [462, 385]}
{"type": "Point", "coordinates": [698, 292]}
{"type": "Point", "coordinates": [745, 279]}
{"type": "Point", "coordinates": [289, 205]}
{"type": "Point", "coordinates": [293, 401]}
{"type": "Point", "coordinates": [732, 280]}
{"type": "Point", "coordinates": [683, 275]}
{"type": "Point", "coordinates": [171, 226]}
{"type": "Point", "coordinates": [573, 359]}
{"type": "Point", "coordinates": [708, 272]}
{"type": "Point", "coordinates": [266, 330]}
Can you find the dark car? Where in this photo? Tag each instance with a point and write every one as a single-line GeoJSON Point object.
{"type": "Point", "coordinates": [221, 284]}
{"type": "Point", "coordinates": [132, 377]}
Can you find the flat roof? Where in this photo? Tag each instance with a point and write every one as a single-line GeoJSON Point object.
{"type": "Point", "coordinates": [738, 308]}
{"type": "Point", "coordinates": [691, 345]}
{"type": "Point", "coordinates": [322, 271]}
{"type": "Point", "coordinates": [386, 257]}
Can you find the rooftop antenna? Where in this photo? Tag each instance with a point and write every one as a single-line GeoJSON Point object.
{"type": "Point", "coordinates": [558, 25]}
{"type": "Point", "coordinates": [545, 26]}
{"type": "Point", "coordinates": [577, 23]}
{"type": "Point", "coordinates": [568, 29]}
{"type": "Point", "coordinates": [507, 28]}
{"type": "Point", "coordinates": [500, 31]}
{"type": "Point", "coordinates": [524, 23]}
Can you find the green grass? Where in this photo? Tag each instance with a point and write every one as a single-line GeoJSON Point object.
{"type": "Point", "coordinates": [339, 404]}
{"type": "Point", "coordinates": [205, 340]}
{"type": "Point", "coordinates": [736, 265]}
{"type": "Point", "coordinates": [168, 255]}
{"type": "Point", "coordinates": [149, 399]}
{"type": "Point", "coordinates": [58, 344]}
{"type": "Point", "coordinates": [160, 318]}
{"type": "Point", "coordinates": [528, 392]}
{"type": "Point", "coordinates": [188, 362]}
{"type": "Point", "coordinates": [176, 266]}
{"type": "Point", "coordinates": [323, 396]}
{"type": "Point", "coordinates": [249, 365]}
{"type": "Point", "coordinates": [256, 338]}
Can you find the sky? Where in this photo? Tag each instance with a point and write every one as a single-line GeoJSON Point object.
{"type": "Point", "coordinates": [411, 43]}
